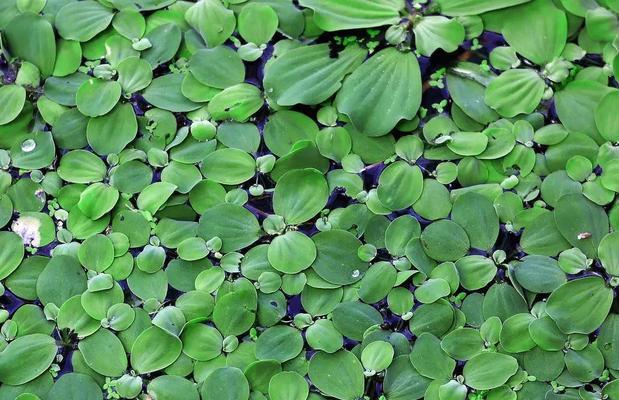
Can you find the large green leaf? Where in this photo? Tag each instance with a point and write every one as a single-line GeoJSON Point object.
{"type": "Point", "coordinates": [474, 7]}
{"type": "Point", "coordinates": [581, 222]}
{"type": "Point", "coordinates": [308, 74]}
{"type": "Point", "coordinates": [226, 383]}
{"type": "Point", "coordinates": [429, 358]}
{"type": "Point", "coordinates": [31, 38]}
{"type": "Point", "coordinates": [142, 5]}
{"type": "Point", "coordinates": [229, 166]}
{"type": "Point", "coordinates": [403, 382]}
{"type": "Point", "coordinates": [337, 261]}
{"type": "Point", "coordinates": [608, 251]}
{"type": "Point", "coordinates": [214, 22]}
{"type": "Point", "coordinates": [299, 195]}
{"type": "Point", "coordinates": [382, 91]}
{"type": "Point", "coordinates": [335, 15]}
{"type": "Point", "coordinates": [338, 375]}
{"type": "Point", "coordinates": [110, 133]}
{"type": "Point", "coordinates": [581, 305]}
{"type": "Point", "coordinates": [400, 185]}
{"type": "Point", "coordinates": [606, 117]}
{"type": "Point", "coordinates": [26, 357]}
{"type": "Point", "coordinates": [467, 84]}
{"type": "Point", "coordinates": [82, 20]}
{"type": "Point", "coordinates": [104, 353]}
{"type": "Point", "coordinates": [154, 349]}
{"type": "Point", "coordinates": [233, 224]}
{"type": "Point", "coordinates": [165, 92]}
{"type": "Point", "coordinates": [516, 91]}
{"type": "Point", "coordinates": [489, 370]}
{"type": "Point", "coordinates": [219, 67]}
{"type": "Point", "coordinates": [537, 30]}
{"type": "Point", "coordinates": [11, 253]}
{"type": "Point", "coordinates": [14, 98]}
{"type": "Point", "coordinates": [437, 32]}
{"type": "Point", "coordinates": [477, 216]}
{"type": "Point", "coordinates": [576, 105]}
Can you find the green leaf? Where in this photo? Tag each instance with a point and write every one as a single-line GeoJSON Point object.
{"type": "Point", "coordinates": [11, 253]}
{"type": "Point", "coordinates": [26, 357]}
{"type": "Point", "coordinates": [169, 386]}
{"type": "Point", "coordinates": [143, 5]}
{"type": "Point", "coordinates": [97, 200]}
{"type": "Point", "coordinates": [308, 74]}
{"type": "Point", "coordinates": [280, 343]}
{"type": "Point", "coordinates": [608, 252]}
{"type": "Point", "coordinates": [235, 312]}
{"type": "Point", "coordinates": [489, 370]}
{"type": "Point", "coordinates": [154, 196]}
{"type": "Point", "coordinates": [581, 222]}
{"type": "Point", "coordinates": [82, 20]}
{"type": "Point", "coordinates": [214, 22]}
{"type": "Point", "coordinates": [445, 240]}
{"type": "Point", "coordinates": [165, 92]}
{"type": "Point", "coordinates": [403, 382]}
{"type": "Point", "coordinates": [134, 74]}
{"type": "Point", "coordinates": [514, 336]}
{"type": "Point", "coordinates": [463, 343]}
{"type": "Point", "coordinates": [537, 30]}
{"type": "Point", "coordinates": [291, 252]}
{"type": "Point", "coordinates": [467, 84]}
{"type": "Point", "coordinates": [227, 383]}
{"type": "Point", "coordinates": [429, 358]}
{"type": "Point", "coordinates": [539, 274]}
{"type": "Point", "coordinates": [338, 375]}
{"type": "Point", "coordinates": [516, 91]}
{"type": "Point", "coordinates": [455, 8]}
{"type": "Point", "coordinates": [576, 105]}
{"type": "Point", "coordinates": [257, 23]}
{"type": "Point", "coordinates": [353, 318]}
{"type": "Point", "coordinates": [377, 356]}
{"type": "Point", "coordinates": [104, 353]}
{"type": "Point", "coordinates": [14, 97]}
{"type": "Point", "coordinates": [602, 24]}
{"type": "Point", "coordinates": [238, 103]}
{"type": "Point", "coordinates": [285, 128]}
{"type": "Point", "coordinates": [233, 224]}
{"type": "Point", "coordinates": [382, 91]}
{"type": "Point", "coordinates": [337, 261]}
{"type": "Point", "coordinates": [581, 305]}
{"type": "Point", "coordinates": [75, 386]}
{"type": "Point", "coordinates": [81, 166]}
{"type": "Point", "coordinates": [438, 32]}
{"type": "Point", "coordinates": [201, 342]}
{"type": "Point", "coordinates": [288, 385]}
{"type": "Point", "coordinates": [606, 119]}
{"type": "Point", "coordinates": [30, 37]}
{"type": "Point", "coordinates": [335, 15]}
{"type": "Point", "coordinates": [112, 132]}
{"type": "Point", "coordinates": [400, 185]}
{"type": "Point", "coordinates": [542, 237]}
{"type": "Point", "coordinates": [219, 67]}
{"type": "Point", "coordinates": [477, 216]}
{"type": "Point", "coordinates": [97, 97]}
{"type": "Point", "coordinates": [475, 271]}
{"type": "Point", "coordinates": [62, 278]}
{"type": "Point", "coordinates": [299, 195]}
{"type": "Point", "coordinates": [468, 143]}
{"type": "Point", "coordinates": [154, 349]}
{"type": "Point", "coordinates": [229, 166]}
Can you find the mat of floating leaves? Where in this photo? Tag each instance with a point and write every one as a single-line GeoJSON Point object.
{"type": "Point", "coordinates": [309, 200]}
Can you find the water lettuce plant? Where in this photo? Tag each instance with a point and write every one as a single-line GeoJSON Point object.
{"type": "Point", "coordinates": [309, 200]}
